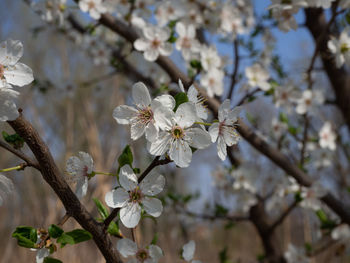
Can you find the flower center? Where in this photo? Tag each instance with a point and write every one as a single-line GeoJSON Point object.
{"type": "Point", "coordinates": [142, 255]}
{"type": "Point", "coordinates": [186, 43]}
{"type": "Point", "coordinates": [135, 195]}
{"type": "Point", "coordinates": [85, 171]}
{"type": "Point", "coordinates": [177, 132]}
{"type": "Point", "coordinates": [91, 5]}
{"type": "Point", "coordinates": [155, 43]}
{"type": "Point", "coordinates": [344, 48]}
{"type": "Point", "coordinates": [145, 115]}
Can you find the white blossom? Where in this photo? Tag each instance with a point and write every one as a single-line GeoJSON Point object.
{"type": "Point", "coordinates": [311, 196]}
{"type": "Point", "coordinates": [132, 196]}
{"type": "Point", "coordinates": [341, 48]}
{"type": "Point", "coordinates": [177, 136]}
{"type": "Point", "coordinates": [309, 101]}
{"type": "Point", "coordinates": [41, 254]}
{"type": "Point", "coordinates": [169, 11]}
{"type": "Point", "coordinates": [150, 254]}
{"type": "Point", "coordinates": [296, 255]}
{"type": "Point", "coordinates": [154, 43]}
{"type": "Point", "coordinates": [11, 71]}
{"type": "Point", "coordinates": [6, 188]}
{"type": "Point", "coordinates": [186, 42]}
{"type": "Point", "coordinates": [212, 81]}
{"type": "Point", "coordinates": [209, 58]}
{"type": "Point", "coordinates": [224, 131]}
{"type": "Point", "coordinates": [188, 252]}
{"type": "Point", "coordinates": [142, 118]}
{"type": "Point", "coordinates": [258, 77]}
{"type": "Point", "coordinates": [94, 7]}
{"type": "Point", "coordinates": [80, 168]}
{"type": "Point", "coordinates": [327, 136]}
{"type": "Point", "coordinates": [193, 96]}
{"type": "Point", "coordinates": [8, 108]}
{"type": "Point", "coordinates": [341, 233]}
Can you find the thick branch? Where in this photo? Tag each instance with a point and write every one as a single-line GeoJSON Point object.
{"type": "Point", "coordinates": [53, 177]}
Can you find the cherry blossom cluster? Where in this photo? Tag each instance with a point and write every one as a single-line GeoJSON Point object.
{"type": "Point", "coordinates": [174, 130]}
{"type": "Point", "coordinates": [14, 73]}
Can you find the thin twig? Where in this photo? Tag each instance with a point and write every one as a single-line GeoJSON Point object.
{"type": "Point", "coordinates": [281, 218]}
{"type": "Point", "coordinates": [235, 69]}
{"type": "Point", "coordinates": [21, 155]}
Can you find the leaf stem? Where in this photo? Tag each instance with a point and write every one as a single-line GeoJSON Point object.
{"type": "Point", "coordinates": [18, 167]}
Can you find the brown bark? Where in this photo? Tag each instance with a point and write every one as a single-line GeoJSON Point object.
{"type": "Point", "coordinates": [54, 178]}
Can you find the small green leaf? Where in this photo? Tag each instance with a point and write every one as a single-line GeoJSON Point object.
{"type": "Point", "coordinates": [26, 236]}
{"type": "Point", "coordinates": [52, 260]}
{"type": "Point", "coordinates": [180, 98]}
{"type": "Point", "coordinates": [65, 239]}
{"type": "Point", "coordinates": [223, 257]}
{"type": "Point", "coordinates": [113, 229]}
{"type": "Point", "coordinates": [308, 247]}
{"type": "Point", "coordinates": [101, 208]}
{"type": "Point", "coordinates": [220, 210]}
{"type": "Point", "coordinates": [55, 231]}
{"type": "Point", "coordinates": [283, 117]}
{"type": "Point", "coordinates": [14, 139]}
{"type": "Point", "coordinates": [196, 64]}
{"type": "Point", "coordinates": [74, 237]}
{"type": "Point", "coordinates": [136, 170]}
{"type": "Point", "coordinates": [126, 157]}
{"type": "Point", "coordinates": [155, 239]}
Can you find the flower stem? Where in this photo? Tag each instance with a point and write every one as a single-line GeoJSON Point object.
{"type": "Point", "coordinates": [110, 174]}
{"type": "Point", "coordinates": [203, 123]}
{"type": "Point", "coordinates": [18, 167]}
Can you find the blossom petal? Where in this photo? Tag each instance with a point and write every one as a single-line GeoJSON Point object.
{"type": "Point", "coordinates": [153, 184]}
{"type": "Point", "coordinates": [130, 214]}
{"type": "Point", "coordinates": [221, 147]}
{"type": "Point", "coordinates": [87, 160]}
{"type": "Point", "coordinates": [81, 187]}
{"type": "Point", "coordinates": [155, 252]}
{"type": "Point", "coordinates": [10, 52]}
{"type": "Point", "coordinates": [8, 108]}
{"type": "Point", "coordinates": [166, 49]}
{"type": "Point", "coordinates": [181, 153]}
{"type": "Point", "coordinates": [137, 129]}
{"type": "Point", "coordinates": [230, 136]}
{"type": "Point", "coordinates": [140, 95]}
{"type": "Point", "coordinates": [161, 144]}
{"type": "Point", "coordinates": [185, 114]}
{"type": "Point", "coordinates": [188, 250]}
{"type": "Point", "coordinates": [152, 206]}
{"type": "Point", "coordinates": [127, 178]}
{"type": "Point", "coordinates": [214, 131]}
{"type": "Point", "coordinates": [123, 114]}
{"type": "Point", "coordinates": [117, 198]}
{"type": "Point", "coordinates": [19, 75]}
{"type": "Point", "coordinates": [181, 29]}
{"type": "Point", "coordinates": [151, 54]}
{"type": "Point", "coordinates": [224, 109]}
{"type": "Point", "coordinates": [198, 138]}
{"type": "Point", "coordinates": [126, 247]}
{"type": "Point", "coordinates": [141, 44]}
{"type": "Point", "coordinates": [41, 254]}
{"type": "Point", "coordinates": [165, 100]}
{"type": "Point", "coordinates": [151, 132]}
{"type": "Point", "coordinates": [164, 118]}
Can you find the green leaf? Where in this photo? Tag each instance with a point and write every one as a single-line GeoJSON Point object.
{"type": "Point", "coordinates": [229, 225]}
{"type": "Point", "coordinates": [65, 239]}
{"type": "Point", "coordinates": [223, 256]}
{"type": "Point", "coordinates": [14, 139]}
{"type": "Point", "coordinates": [136, 170]}
{"type": "Point", "coordinates": [74, 237]}
{"type": "Point", "coordinates": [220, 210]}
{"type": "Point", "coordinates": [180, 98]}
{"type": "Point", "coordinates": [155, 239]}
{"type": "Point", "coordinates": [347, 17]}
{"type": "Point", "coordinates": [113, 229]}
{"type": "Point", "coordinates": [126, 157]}
{"type": "Point", "coordinates": [26, 236]}
{"type": "Point", "coordinates": [196, 64]}
{"type": "Point", "coordinates": [283, 117]}
{"type": "Point", "coordinates": [308, 247]}
{"type": "Point", "coordinates": [101, 208]}
{"type": "Point", "coordinates": [55, 231]}
{"type": "Point", "coordinates": [52, 260]}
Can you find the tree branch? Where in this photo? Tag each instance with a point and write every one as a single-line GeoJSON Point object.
{"type": "Point", "coordinates": [53, 177]}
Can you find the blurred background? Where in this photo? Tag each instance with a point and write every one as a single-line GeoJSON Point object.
{"type": "Point", "coordinates": [71, 105]}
